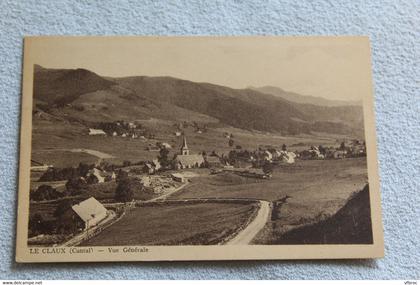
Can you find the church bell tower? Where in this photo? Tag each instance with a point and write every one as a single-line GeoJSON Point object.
{"type": "Point", "coordinates": [184, 147]}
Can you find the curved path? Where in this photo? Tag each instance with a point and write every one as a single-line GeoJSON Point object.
{"type": "Point", "coordinates": [97, 153]}
{"type": "Point", "coordinates": [247, 235]}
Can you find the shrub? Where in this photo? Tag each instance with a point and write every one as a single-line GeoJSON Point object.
{"type": "Point", "coordinates": [45, 192]}
{"type": "Point", "coordinates": [75, 185]}
{"type": "Point", "coordinates": [124, 191]}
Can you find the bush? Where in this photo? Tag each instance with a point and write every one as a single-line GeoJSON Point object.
{"type": "Point", "coordinates": [38, 225]}
{"type": "Point", "coordinates": [124, 191]}
{"type": "Point", "coordinates": [62, 207]}
{"type": "Point", "coordinates": [45, 192]}
{"type": "Point", "coordinates": [75, 185]}
{"type": "Point", "coordinates": [79, 108]}
{"type": "Point", "coordinates": [58, 174]}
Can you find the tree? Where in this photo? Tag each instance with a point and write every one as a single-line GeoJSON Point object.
{"type": "Point", "coordinates": [63, 207]}
{"type": "Point", "coordinates": [322, 149]}
{"type": "Point", "coordinates": [75, 185]}
{"type": "Point", "coordinates": [267, 167]}
{"type": "Point", "coordinates": [45, 192]}
{"type": "Point", "coordinates": [124, 191]}
{"type": "Point", "coordinates": [342, 146]}
{"type": "Point", "coordinates": [83, 169]}
{"type": "Point", "coordinates": [36, 222]}
{"type": "Point", "coordinates": [163, 157]}
{"type": "Point", "coordinates": [121, 175]}
{"type": "Point", "coordinates": [284, 147]}
{"type": "Point", "coordinates": [92, 179]}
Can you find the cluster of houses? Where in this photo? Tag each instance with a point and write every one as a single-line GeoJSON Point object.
{"type": "Point", "coordinates": [355, 148]}
{"type": "Point", "coordinates": [120, 129]}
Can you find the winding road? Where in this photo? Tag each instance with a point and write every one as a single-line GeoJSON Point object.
{"type": "Point", "coordinates": [247, 235]}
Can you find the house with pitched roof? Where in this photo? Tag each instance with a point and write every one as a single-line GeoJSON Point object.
{"type": "Point", "coordinates": [90, 212]}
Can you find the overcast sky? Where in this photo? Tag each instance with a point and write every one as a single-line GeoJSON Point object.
{"type": "Point", "coordinates": [333, 68]}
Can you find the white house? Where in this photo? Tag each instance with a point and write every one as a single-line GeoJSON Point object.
{"type": "Point", "coordinates": [90, 211]}
{"type": "Point", "coordinates": [96, 132]}
{"type": "Point", "coordinates": [166, 145]}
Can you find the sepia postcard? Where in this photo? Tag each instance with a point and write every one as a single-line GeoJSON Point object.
{"type": "Point", "coordinates": [197, 148]}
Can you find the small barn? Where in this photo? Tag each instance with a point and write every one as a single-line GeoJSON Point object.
{"type": "Point", "coordinates": [151, 167]}
{"type": "Point", "coordinates": [178, 177]}
{"type": "Point", "coordinates": [213, 161]}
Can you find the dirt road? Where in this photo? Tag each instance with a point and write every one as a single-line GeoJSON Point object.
{"type": "Point", "coordinates": [98, 154]}
{"type": "Point", "coordinates": [248, 234]}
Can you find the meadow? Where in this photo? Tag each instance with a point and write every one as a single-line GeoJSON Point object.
{"type": "Point", "coordinates": [176, 224]}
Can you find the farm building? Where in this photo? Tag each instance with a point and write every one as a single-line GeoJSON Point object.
{"type": "Point", "coordinates": [90, 212]}
{"type": "Point", "coordinates": [166, 145]}
{"type": "Point", "coordinates": [267, 155]}
{"type": "Point", "coordinates": [96, 132]}
{"type": "Point", "coordinates": [151, 167]}
{"type": "Point", "coordinates": [96, 175]}
{"type": "Point", "coordinates": [287, 156]}
{"type": "Point", "coordinates": [178, 177]}
{"type": "Point", "coordinates": [187, 160]}
{"type": "Point", "coordinates": [213, 161]}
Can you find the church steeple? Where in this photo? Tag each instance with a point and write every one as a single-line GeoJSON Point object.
{"type": "Point", "coordinates": [184, 147]}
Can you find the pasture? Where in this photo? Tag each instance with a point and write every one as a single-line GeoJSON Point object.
{"type": "Point", "coordinates": [176, 224]}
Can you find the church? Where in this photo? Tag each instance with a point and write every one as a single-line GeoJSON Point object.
{"type": "Point", "coordinates": [186, 160]}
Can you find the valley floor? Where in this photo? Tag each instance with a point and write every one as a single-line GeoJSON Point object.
{"type": "Point", "coordinates": [297, 195]}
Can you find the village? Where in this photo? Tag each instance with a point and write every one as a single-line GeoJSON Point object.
{"type": "Point", "coordinates": [73, 204]}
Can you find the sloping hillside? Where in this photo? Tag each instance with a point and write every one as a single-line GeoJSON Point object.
{"type": "Point", "coordinates": [62, 86]}
{"type": "Point", "coordinates": [174, 99]}
{"type": "Point", "coordinates": [303, 99]}
{"type": "Point", "coordinates": [350, 225]}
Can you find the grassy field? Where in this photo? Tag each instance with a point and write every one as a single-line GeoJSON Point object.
{"type": "Point", "coordinates": [177, 224]}
{"type": "Point", "coordinates": [51, 139]}
{"type": "Point", "coordinates": [351, 224]}
{"type": "Point", "coordinates": [317, 190]}
{"type": "Point", "coordinates": [307, 180]}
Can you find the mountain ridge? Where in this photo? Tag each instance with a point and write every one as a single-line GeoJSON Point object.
{"type": "Point", "coordinates": [150, 96]}
{"type": "Point", "coordinates": [303, 99]}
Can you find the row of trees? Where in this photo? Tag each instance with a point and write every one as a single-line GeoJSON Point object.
{"type": "Point", "coordinates": [58, 174]}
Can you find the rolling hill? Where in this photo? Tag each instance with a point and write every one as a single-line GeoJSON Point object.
{"type": "Point", "coordinates": [168, 98]}
{"type": "Point", "coordinates": [303, 99]}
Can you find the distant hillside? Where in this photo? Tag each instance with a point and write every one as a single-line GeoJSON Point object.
{"type": "Point", "coordinates": [303, 99]}
{"type": "Point", "coordinates": [350, 225]}
{"type": "Point", "coordinates": [62, 86]}
{"type": "Point", "coordinates": [175, 99]}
